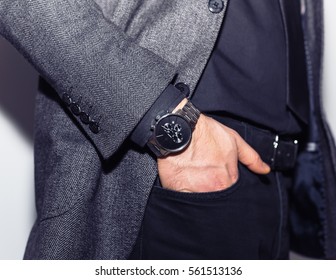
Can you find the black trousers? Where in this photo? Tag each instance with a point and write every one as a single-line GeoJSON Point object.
{"type": "Point", "coordinates": [249, 220]}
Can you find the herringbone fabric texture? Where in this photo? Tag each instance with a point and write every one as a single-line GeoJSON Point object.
{"type": "Point", "coordinates": [114, 58]}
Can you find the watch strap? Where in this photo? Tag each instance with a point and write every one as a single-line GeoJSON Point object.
{"type": "Point", "coordinates": [159, 152]}
{"type": "Point", "coordinates": [190, 113]}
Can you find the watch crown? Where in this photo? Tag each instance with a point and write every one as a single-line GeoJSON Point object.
{"type": "Point", "coordinates": [157, 117]}
{"type": "Point", "coordinates": [152, 127]}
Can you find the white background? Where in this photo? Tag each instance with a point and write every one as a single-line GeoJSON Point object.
{"type": "Point", "coordinates": [17, 86]}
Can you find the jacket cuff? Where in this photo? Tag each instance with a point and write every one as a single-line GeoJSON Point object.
{"type": "Point", "coordinates": [166, 102]}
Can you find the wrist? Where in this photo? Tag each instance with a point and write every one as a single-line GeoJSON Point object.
{"type": "Point", "coordinates": [180, 105]}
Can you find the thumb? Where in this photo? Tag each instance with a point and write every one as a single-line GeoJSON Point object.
{"type": "Point", "coordinates": [249, 157]}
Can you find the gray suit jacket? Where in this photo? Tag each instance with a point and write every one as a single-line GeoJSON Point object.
{"type": "Point", "coordinates": [113, 58]}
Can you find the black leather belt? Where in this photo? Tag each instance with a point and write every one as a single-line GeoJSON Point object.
{"type": "Point", "coordinates": [279, 152]}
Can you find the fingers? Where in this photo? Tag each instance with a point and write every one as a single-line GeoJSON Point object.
{"type": "Point", "coordinates": [208, 179]}
{"type": "Point", "coordinates": [249, 157]}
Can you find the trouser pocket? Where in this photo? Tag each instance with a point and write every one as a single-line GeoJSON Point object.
{"type": "Point", "coordinates": [241, 222]}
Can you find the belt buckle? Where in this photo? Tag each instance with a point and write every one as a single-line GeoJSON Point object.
{"type": "Point", "coordinates": [284, 154]}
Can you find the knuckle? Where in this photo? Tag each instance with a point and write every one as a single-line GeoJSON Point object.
{"type": "Point", "coordinates": [178, 184]}
{"type": "Point", "coordinates": [226, 182]}
{"type": "Point", "coordinates": [255, 158]}
{"type": "Point", "coordinates": [235, 177]}
{"type": "Point", "coordinates": [218, 183]}
{"type": "Point", "coordinates": [234, 133]}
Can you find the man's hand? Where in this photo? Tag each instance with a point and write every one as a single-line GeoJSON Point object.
{"type": "Point", "coordinates": [210, 163]}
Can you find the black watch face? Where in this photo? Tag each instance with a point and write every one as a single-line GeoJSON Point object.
{"type": "Point", "coordinates": [173, 132]}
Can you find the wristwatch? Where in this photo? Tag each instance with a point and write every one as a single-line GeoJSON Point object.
{"type": "Point", "coordinates": [172, 132]}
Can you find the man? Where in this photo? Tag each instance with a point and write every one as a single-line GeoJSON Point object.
{"type": "Point", "coordinates": [99, 153]}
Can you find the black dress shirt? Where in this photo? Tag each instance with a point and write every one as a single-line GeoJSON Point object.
{"type": "Point", "coordinates": [251, 72]}
{"type": "Point", "coordinates": [247, 76]}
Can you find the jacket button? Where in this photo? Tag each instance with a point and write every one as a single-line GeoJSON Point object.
{"type": "Point", "coordinates": [85, 118]}
{"type": "Point", "coordinates": [75, 109]}
{"type": "Point", "coordinates": [94, 127]}
{"type": "Point", "coordinates": [182, 87]}
{"type": "Point", "coordinates": [216, 6]}
{"type": "Point", "coordinates": [67, 99]}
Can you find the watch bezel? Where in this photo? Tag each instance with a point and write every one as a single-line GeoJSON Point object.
{"type": "Point", "coordinates": [183, 146]}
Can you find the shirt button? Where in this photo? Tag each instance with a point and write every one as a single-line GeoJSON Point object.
{"type": "Point", "coordinates": [216, 6]}
{"type": "Point", "coordinates": [182, 87]}
{"type": "Point", "coordinates": [94, 127]}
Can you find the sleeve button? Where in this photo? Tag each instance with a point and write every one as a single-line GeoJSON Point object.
{"type": "Point", "coordinates": [67, 99]}
{"type": "Point", "coordinates": [94, 127]}
{"type": "Point", "coordinates": [75, 109]}
{"type": "Point", "coordinates": [85, 118]}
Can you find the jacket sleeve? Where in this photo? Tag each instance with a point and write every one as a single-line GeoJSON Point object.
{"type": "Point", "coordinates": [106, 79]}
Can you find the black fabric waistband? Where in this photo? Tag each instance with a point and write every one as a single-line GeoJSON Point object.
{"type": "Point", "coordinates": [279, 152]}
